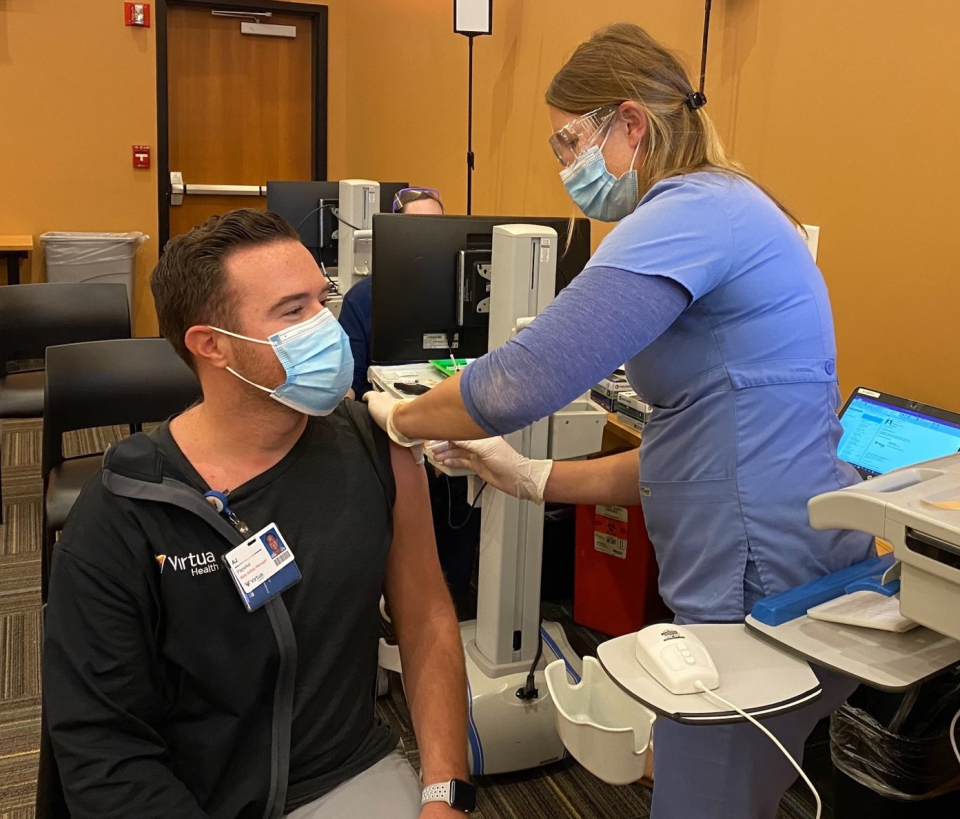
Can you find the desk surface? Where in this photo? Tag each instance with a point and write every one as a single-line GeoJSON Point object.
{"type": "Point", "coordinates": [758, 677]}
{"type": "Point", "coordinates": [19, 244]}
{"type": "Point", "coordinates": [630, 436]}
{"type": "Point", "coordinates": [882, 659]}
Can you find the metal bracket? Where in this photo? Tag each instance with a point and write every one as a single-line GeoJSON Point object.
{"type": "Point", "coordinates": [177, 188]}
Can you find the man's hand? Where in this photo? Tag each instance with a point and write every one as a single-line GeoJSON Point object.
{"type": "Point", "coordinates": [499, 464]}
{"type": "Point", "coordinates": [440, 810]}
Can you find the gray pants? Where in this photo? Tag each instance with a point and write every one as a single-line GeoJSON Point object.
{"type": "Point", "coordinates": [388, 790]}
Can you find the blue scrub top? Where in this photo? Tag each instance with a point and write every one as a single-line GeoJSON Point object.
{"type": "Point", "coordinates": [356, 318]}
{"type": "Point", "coordinates": [743, 386]}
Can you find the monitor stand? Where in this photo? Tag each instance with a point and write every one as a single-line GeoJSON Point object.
{"type": "Point", "coordinates": [506, 732]}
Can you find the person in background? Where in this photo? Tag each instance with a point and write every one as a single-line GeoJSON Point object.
{"type": "Point", "coordinates": [457, 529]}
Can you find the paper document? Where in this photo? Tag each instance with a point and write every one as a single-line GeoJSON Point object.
{"type": "Point", "coordinates": [866, 609]}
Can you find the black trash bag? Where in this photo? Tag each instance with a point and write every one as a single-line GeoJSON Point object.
{"type": "Point", "coordinates": [898, 745]}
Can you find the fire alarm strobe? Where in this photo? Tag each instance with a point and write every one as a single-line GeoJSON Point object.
{"type": "Point", "coordinates": [137, 14]}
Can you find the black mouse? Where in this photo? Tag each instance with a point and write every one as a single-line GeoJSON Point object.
{"type": "Point", "coordinates": [411, 389]}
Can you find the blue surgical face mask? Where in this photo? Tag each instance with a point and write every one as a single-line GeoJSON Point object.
{"type": "Point", "coordinates": [596, 191]}
{"type": "Point", "coordinates": [316, 357]}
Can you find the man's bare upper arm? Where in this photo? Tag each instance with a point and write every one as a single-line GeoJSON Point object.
{"type": "Point", "coordinates": [414, 578]}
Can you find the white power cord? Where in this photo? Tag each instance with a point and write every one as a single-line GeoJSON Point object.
{"type": "Point", "coordinates": [717, 698]}
{"type": "Point", "coordinates": [953, 735]}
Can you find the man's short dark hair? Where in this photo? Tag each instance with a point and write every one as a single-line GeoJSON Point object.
{"type": "Point", "coordinates": [189, 282]}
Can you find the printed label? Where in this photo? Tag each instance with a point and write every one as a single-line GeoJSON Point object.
{"type": "Point", "coordinates": [610, 545]}
{"type": "Point", "coordinates": [545, 250]}
{"type": "Point", "coordinates": [615, 512]}
{"type": "Point", "coordinates": [435, 341]}
{"type": "Point", "coordinates": [610, 531]}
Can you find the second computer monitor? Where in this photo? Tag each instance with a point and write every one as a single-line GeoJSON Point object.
{"type": "Point", "coordinates": [308, 206]}
{"type": "Point", "coordinates": [420, 266]}
{"type": "Point", "coordinates": [300, 204]}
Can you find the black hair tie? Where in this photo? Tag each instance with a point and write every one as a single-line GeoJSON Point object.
{"type": "Point", "coordinates": [695, 100]}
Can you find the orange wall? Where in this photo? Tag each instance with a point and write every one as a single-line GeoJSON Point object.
{"type": "Point", "coordinates": [850, 111]}
{"type": "Point", "coordinates": [847, 110]}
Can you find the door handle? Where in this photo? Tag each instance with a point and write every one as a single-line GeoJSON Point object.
{"type": "Point", "coordinates": [179, 189]}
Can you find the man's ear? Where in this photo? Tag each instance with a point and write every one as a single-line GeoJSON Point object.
{"type": "Point", "coordinates": [207, 346]}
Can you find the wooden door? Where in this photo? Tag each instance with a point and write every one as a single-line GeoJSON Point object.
{"type": "Point", "coordinates": [241, 108]}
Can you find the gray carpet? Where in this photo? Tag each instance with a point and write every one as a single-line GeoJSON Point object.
{"type": "Point", "coordinates": [561, 791]}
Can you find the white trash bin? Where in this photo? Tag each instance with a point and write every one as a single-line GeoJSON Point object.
{"type": "Point", "coordinates": [604, 728]}
{"type": "Point", "coordinates": [107, 258]}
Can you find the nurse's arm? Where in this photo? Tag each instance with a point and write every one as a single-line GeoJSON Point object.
{"type": "Point", "coordinates": [438, 415]}
{"type": "Point", "coordinates": [613, 480]}
{"type": "Point", "coordinates": [603, 318]}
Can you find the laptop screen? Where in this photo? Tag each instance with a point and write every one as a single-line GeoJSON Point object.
{"type": "Point", "coordinates": [879, 436]}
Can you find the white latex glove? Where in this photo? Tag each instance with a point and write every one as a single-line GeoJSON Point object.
{"type": "Point", "coordinates": [499, 464]}
{"type": "Point", "coordinates": [382, 407]}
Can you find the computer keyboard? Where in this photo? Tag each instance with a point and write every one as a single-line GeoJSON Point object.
{"type": "Point", "coordinates": [866, 609]}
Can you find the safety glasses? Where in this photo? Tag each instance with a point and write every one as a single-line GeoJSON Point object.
{"type": "Point", "coordinates": [405, 196]}
{"type": "Point", "coordinates": [575, 137]}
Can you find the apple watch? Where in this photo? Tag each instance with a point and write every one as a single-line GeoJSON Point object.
{"type": "Point", "coordinates": [456, 793]}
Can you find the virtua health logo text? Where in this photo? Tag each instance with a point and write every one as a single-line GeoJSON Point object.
{"type": "Point", "coordinates": [205, 563]}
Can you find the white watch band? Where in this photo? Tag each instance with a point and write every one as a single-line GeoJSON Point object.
{"type": "Point", "coordinates": [436, 793]}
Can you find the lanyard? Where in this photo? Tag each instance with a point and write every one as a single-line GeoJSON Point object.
{"type": "Point", "coordinates": [218, 500]}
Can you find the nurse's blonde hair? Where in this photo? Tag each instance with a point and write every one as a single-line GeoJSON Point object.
{"type": "Point", "coordinates": [622, 62]}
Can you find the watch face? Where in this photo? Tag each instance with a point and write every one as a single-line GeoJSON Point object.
{"type": "Point", "coordinates": [463, 795]}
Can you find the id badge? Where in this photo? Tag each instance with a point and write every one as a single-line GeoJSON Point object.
{"type": "Point", "coordinates": [262, 567]}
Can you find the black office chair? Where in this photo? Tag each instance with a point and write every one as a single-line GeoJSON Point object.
{"type": "Point", "coordinates": [96, 384]}
{"type": "Point", "coordinates": [36, 316]}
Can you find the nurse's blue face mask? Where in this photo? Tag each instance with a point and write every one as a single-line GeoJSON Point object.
{"type": "Point", "coordinates": [316, 357]}
{"type": "Point", "coordinates": [596, 191]}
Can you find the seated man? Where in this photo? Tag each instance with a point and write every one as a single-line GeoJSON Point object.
{"type": "Point", "coordinates": [169, 691]}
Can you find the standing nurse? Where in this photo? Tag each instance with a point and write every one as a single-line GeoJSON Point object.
{"type": "Point", "coordinates": [706, 289]}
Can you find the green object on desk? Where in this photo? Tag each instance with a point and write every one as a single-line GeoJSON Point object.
{"type": "Point", "coordinates": [449, 366]}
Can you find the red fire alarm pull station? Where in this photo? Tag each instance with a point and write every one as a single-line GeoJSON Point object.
{"type": "Point", "coordinates": [137, 14]}
{"type": "Point", "coordinates": [141, 156]}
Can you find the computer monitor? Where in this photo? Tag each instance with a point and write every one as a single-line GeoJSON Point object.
{"type": "Point", "coordinates": [302, 205]}
{"type": "Point", "coordinates": [299, 203]}
{"type": "Point", "coordinates": [420, 264]}
{"type": "Point", "coordinates": [884, 432]}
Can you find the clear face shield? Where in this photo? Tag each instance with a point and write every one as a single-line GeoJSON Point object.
{"type": "Point", "coordinates": [577, 136]}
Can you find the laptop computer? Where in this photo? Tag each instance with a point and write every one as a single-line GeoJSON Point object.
{"type": "Point", "coordinates": [884, 432]}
